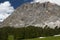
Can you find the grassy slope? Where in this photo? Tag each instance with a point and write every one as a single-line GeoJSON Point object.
{"type": "Point", "coordinates": [48, 38]}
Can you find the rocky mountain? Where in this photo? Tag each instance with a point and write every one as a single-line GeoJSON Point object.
{"type": "Point", "coordinates": [36, 14]}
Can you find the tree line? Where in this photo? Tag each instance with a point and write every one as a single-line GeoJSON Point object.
{"type": "Point", "coordinates": [27, 32]}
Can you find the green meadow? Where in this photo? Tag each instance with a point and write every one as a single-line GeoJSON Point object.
{"type": "Point", "coordinates": [47, 38]}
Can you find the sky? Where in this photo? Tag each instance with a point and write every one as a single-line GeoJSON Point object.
{"type": "Point", "coordinates": [16, 3]}
{"type": "Point", "coordinates": [8, 6]}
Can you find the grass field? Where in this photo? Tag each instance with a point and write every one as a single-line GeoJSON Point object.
{"type": "Point", "coordinates": [47, 38]}
{"type": "Point", "coordinates": [10, 37]}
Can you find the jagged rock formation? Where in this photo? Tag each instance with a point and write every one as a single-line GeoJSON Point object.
{"type": "Point", "coordinates": [36, 14]}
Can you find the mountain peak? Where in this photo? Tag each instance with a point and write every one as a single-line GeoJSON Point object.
{"type": "Point", "coordinates": [36, 14]}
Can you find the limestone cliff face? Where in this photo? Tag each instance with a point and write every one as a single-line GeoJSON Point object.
{"type": "Point", "coordinates": [37, 14]}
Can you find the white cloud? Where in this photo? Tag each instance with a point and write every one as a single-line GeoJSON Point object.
{"type": "Point", "coordinates": [5, 10]}
{"type": "Point", "coordinates": [52, 1]}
